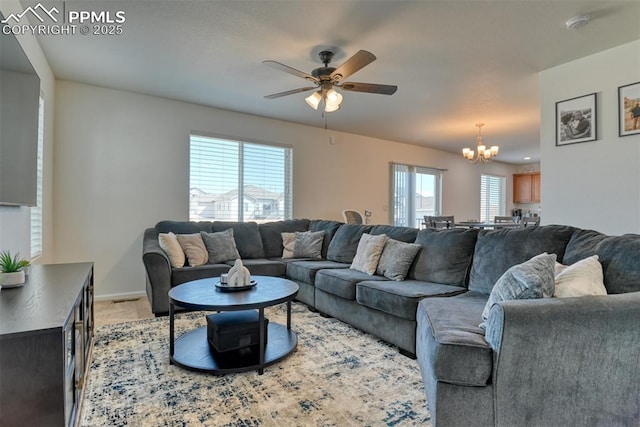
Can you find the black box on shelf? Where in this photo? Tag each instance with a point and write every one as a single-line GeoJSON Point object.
{"type": "Point", "coordinates": [233, 330]}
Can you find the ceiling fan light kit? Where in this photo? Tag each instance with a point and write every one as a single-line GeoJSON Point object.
{"type": "Point", "coordinates": [326, 79]}
{"type": "Point", "coordinates": [482, 154]}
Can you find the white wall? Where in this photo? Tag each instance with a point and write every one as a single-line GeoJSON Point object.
{"type": "Point", "coordinates": [15, 222]}
{"type": "Point", "coordinates": [593, 184]}
{"type": "Point", "coordinates": [121, 165]}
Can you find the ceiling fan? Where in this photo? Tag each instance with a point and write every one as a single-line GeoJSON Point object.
{"type": "Point", "coordinates": [326, 78]}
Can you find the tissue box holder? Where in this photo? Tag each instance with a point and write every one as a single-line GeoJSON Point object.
{"type": "Point", "coordinates": [233, 330]}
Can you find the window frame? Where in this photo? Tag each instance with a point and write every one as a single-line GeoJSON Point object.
{"type": "Point", "coordinates": [486, 210]}
{"type": "Point", "coordinates": [407, 173]}
{"type": "Point", "coordinates": [243, 153]}
{"type": "Point", "coordinates": [36, 218]}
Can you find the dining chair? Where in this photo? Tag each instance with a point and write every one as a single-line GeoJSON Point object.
{"type": "Point", "coordinates": [352, 217]}
{"type": "Point", "coordinates": [531, 221]}
{"type": "Point", "coordinates": [440, 221]}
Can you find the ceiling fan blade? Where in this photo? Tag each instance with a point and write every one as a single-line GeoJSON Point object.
{"type": "Point", "coordinates": [289, 92]}
{"type": "Point", "coordinates": [369, 87]}
{"type": "Point", "coordinates": [361, 59]}
{"type": "Point", "coordinates": [290, 70]}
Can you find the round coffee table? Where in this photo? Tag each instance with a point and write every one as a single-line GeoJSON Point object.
{"type": "Point", "coordinates": [191, 350]}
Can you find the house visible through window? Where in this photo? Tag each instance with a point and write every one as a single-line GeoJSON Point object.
{"type": "Point", "coordinates": [36, 211]}
{"type": "Point", "coordinates": [415, 192]}
{"type": "Point", "coordinates": [492, 197]}
{"type": "Point", "coordinates": [239, 181]}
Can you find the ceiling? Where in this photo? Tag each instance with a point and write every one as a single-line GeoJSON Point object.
{"type": "Point", "coordinates": [456, 63]}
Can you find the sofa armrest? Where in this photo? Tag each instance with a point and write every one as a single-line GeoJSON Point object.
{"type": "Point", "coordinates": [567, 361]}
{"type": "Point", "coordinates": [158, 269]}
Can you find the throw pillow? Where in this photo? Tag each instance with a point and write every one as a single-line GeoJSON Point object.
{"type": "Point", "coordinates": [368, 253]}
{"type": "Point", "coordinates": [220, 246]}
{"type": "Point", "coordinates": [530, 280]}
{"type": "Point", "coordinates": [194, 249]}
{"type": "Point", "coordinates": [396, 259]}
{"type": "Point", "coordinates": [169, 243]}
{"type": "Point", "coordinates": [308, 244]}
{"type": "Point", "coordinates": [583, 278]}
{"type": "Point", "coordinates": [288, 243]}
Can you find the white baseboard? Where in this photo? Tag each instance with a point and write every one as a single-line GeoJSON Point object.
{"type": "Point", "coordinates": [122, 296]}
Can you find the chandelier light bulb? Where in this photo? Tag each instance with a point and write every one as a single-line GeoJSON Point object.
{"type": "Point", "coordinates": [484, 154]}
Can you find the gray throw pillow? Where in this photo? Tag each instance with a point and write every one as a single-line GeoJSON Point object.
{"type": "Point", "coordinates": [396, 259]}
{"type": "Point", "coordinates": [308, 244]}
{"type": "Point", "coordinates": [221, 246]}
{"type": "Point", "coordinates": [530, 280]}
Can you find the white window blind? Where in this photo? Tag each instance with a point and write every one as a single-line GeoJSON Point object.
{"type": "Point", "coordinates": [239, 181]}
{"type": "Point", "coordinates": [492, 197]}
{"type": "Point", "coordinates": [36, 211]}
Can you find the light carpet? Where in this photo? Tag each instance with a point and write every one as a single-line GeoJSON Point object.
{"type": "Point", "coordinates": [338, 376]}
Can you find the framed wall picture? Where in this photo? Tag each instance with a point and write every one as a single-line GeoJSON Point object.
{"type": "Point", "coordinates": [576, 120]}
{"type": "Point", "coordinates": [629, 109]}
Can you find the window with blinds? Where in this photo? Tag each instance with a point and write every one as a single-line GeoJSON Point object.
{"type": "Point", "coordinates": [239, 181]}
{"type": "Point", "coordinates": [36, 211]}
{"type": "Point", "coordinates": [415, 192]}
{"type": "Point", "coordinates": [492, 197]}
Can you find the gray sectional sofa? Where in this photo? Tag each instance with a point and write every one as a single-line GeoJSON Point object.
{"type": "Point", "coordinates": [551, 361]}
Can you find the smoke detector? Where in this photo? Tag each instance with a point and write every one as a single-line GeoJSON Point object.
{"type": "Point", "coordinates": [576, 22]}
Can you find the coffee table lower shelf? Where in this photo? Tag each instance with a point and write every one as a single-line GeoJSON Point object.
{"type": "Point", "coordinates": [192, 351]}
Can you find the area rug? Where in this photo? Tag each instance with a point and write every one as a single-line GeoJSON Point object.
{"type": "Point", "coordinates": [338, 376]}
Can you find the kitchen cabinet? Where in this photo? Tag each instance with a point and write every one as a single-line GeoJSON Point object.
{"type": "Point", "coordinates": [526, 187]}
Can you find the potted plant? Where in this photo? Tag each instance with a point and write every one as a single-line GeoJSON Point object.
{"type": "Point", "coordinates": [25, 265]}
{"type": "Point", "coordinates": [11, 272]}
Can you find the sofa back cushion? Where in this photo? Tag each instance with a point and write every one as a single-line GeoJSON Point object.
{"type": "Point", "coordinates": [183, 227]}
{"type": "Point", "coordinates": [246, 235]}
{"type": "Point", "coordinates": [445, 256]}
{"type": "Point", "coordinates": [617, 254]}
{"type": "Point", "coordinates": [344, 244]}
{"type": "Point", "coordinates": [403, 234]}
{"type": "Point", "coordinates": [498, 250]}
{"type": "Point", "coordinates": [271, 234]}
{"type": "Point", "coordinates": [329, 227]}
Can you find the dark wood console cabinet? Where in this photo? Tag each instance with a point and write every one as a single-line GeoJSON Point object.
{"type": "Point", "coordinates": [46, 333]}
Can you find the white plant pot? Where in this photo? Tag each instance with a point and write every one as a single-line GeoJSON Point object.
{"type": "Point", "coordinates": [26, 270]}
{"type": "Point", "coordinates": [8, 280]}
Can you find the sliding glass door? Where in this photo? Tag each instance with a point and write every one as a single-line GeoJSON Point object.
{"type": "Point", "coordinates": [416, 193]}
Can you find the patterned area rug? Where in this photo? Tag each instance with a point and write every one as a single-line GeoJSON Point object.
{"type": "Point", "coordinates": [338, 376]}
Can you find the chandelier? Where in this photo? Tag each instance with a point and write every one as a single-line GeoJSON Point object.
{"type": "Point", "coordinates": [482, 155]}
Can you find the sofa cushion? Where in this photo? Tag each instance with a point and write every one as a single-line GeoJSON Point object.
{"type": "Point", "coordinates": [305, 271]}
{"type": "Point", "coordinates": [247, 237]}
{"type": "Point", "coordinates": [344, 244]}
{"type": "Point", "coordinates": [270, 233]}
{"type": "Point", "coordinates": [403, 234]}
{"type": "Point", "coordinates": [498, 250]}
{"type": "Point", "coordinates": [263, 266]}
{"type": "Point", "coordinates": [401, 299]}
{"type": "Point", "coordinates": [396, 259]}
{"type": "Point", "coordinates": [302, 244]}
{"type": "Point", "coordinates": [220, 246]}
{"type": "Point", "coordinates": [169, 243]}
{"type": "Point", "coordinates": [193, 248]}
{"type": "Point", "coordinates": [368, 253]}
{"type": "Point", "coordinates": [617, 254]}
{"type": "Point", "coordinates": [308, 244]}
{"type": "Point", "coordinates": [329, 227]}
{"type": "Point", "coordinates": [342, 282]}
{"type": "Point", "coordinates": [183, 227]}
{"type": "Point", "coordinates": [530, 280]}
{"type": "Point", "coordinates": [453, 341]}
{"type": "Point", "coordinates": [445, 256]}
{"type": "Point", "coordinates": [579, 279]}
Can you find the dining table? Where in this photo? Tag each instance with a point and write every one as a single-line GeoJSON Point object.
{"type": "Point", "coordinates": [493, 225]}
